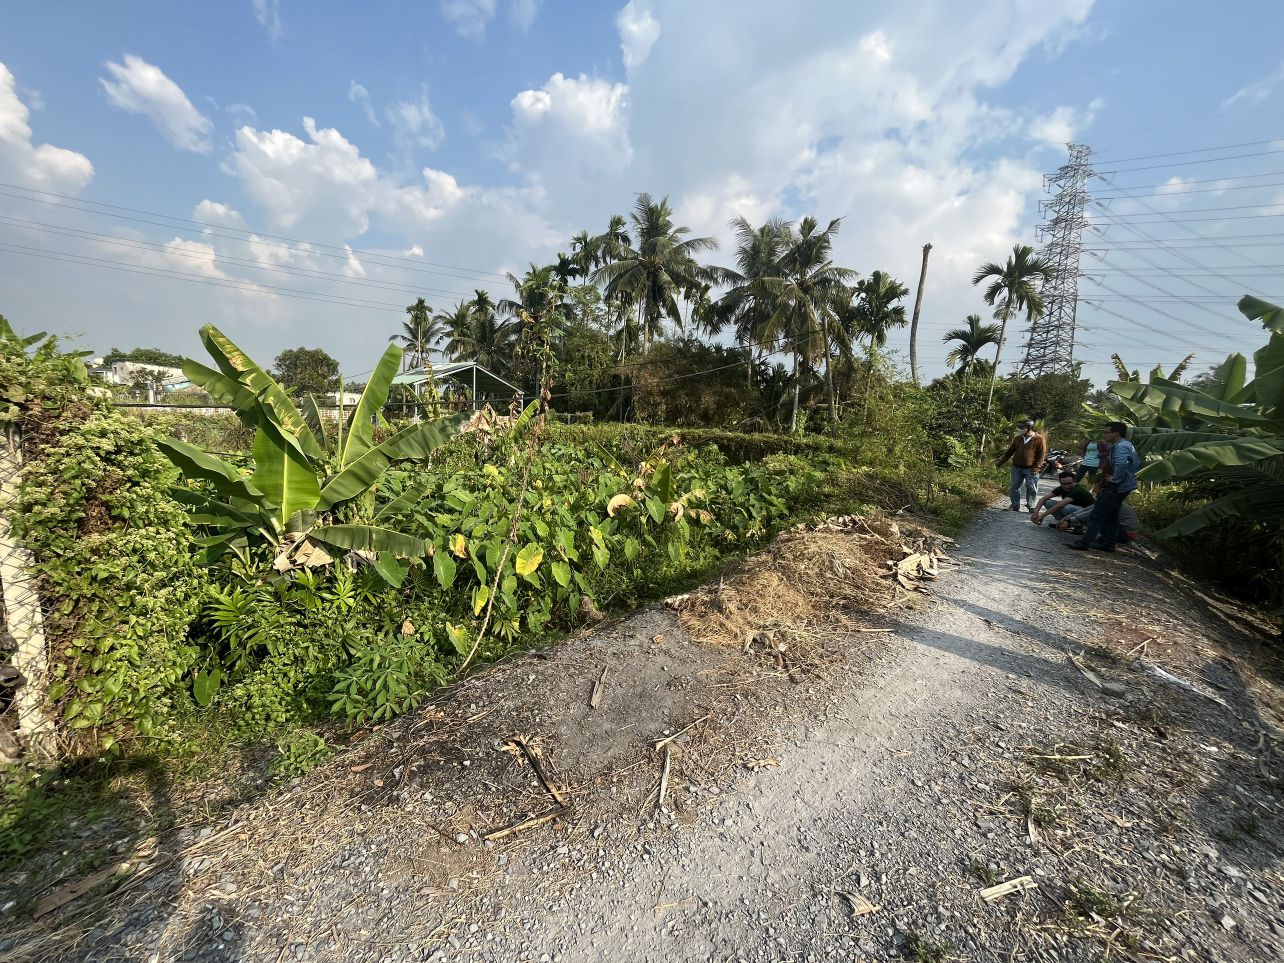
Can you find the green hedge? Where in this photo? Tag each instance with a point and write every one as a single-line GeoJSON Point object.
{"type": "Point", "coordinates": [635, 442]}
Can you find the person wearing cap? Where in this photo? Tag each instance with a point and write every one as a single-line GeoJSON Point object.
{"type": "Point", "coordinates": [1063, 501]}
{"type": "Point", "coordinates": [1027, 452]}
{"type": "Point", "coordinates": [1121, 482]}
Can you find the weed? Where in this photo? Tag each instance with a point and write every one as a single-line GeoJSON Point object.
{"type": "Point", "coordinates": [921, 949]}
{"type": "Point", "coordinates": [1115, 764]}
{"type": "Point", "coordinates": [299, 752]}
{"type": "Point", "coordinates": [983, 873]}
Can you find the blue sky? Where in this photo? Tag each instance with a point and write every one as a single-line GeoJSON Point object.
{"type": "Point", "coordinates": [445, 142]}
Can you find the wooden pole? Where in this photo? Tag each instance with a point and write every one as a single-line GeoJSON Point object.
{"type": "Point", "coordinates": [918, 304]}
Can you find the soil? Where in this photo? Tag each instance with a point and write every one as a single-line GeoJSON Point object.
{"type": "Point", "coordinates": [818, 790]}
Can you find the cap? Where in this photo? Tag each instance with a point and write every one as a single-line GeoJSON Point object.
{"type": "Point", "coordinates": [1027, 423]}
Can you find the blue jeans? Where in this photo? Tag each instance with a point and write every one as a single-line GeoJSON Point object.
{"type": "Point", "coordinates": [1104, 520]}
{"type": "Point", "coordinates": [1030, 477]}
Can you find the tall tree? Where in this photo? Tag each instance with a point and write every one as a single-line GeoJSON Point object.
{"type": "Point", "coordinates": [477, 334]}
{"type": "Point", "coordinates": [658, 268]}
{"type": "Point", "coordinates": [304, 371]}
{"type": "Point", "coordinates": [874, 309]}
{"type": "Point", "coordinates": [536, 314]}
{"type": "Point", "coordinates": [1014, 287]}
{"type": "Point", "coordinates": [807, 297]}
{"type": "Point", "coordinates": [972, 340]}
{"type": "Point", "coordinates": [420, 333]}
{"type": "Point", "coordinates": [746, 305]}
{"type": "Point", "coordinates": [918, 306]}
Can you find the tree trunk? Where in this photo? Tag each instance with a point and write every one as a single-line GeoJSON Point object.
{"type": "Point", "coordinates": [23, 617]}
{"type": "Point", "coordinates": [994, 375]}
{"type": "Point", "coordinates": [793, 415]}
{"type": "Point", "coordinates": [829, 377]}
{"type": "Point", "coordinates": [918, 304]}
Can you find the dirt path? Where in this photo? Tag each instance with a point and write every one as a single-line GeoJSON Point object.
{"type": "Point", "coordinates": [856, 816]}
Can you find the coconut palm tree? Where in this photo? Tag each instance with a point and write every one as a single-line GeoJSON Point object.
{"type": "Point", "coordinates": [806, 298]}
{"type": "Point", "coordinates": [537, 311]}
{"type": "Point", "coordinates": [658, 269]}
{"type": "Point", "coordinates": [874, 311]}
{"type": "Point", "coordinates": [477, 334]}
{"type": "Point", "coordinates": [745, 305]}
{"type": "Point", "coordinates": [972, 340]}
{"type": "Point", "coordinates": [420, 334]}
{"type": "Point", "coordinates": [1014, 287]}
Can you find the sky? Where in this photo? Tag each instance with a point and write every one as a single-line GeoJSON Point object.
{"type": "Point", "coordinates": [296, 173]}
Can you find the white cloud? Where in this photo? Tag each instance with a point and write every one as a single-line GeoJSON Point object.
{"type": "Point", "coordinates": [215, 212]}
{"type": "Point", "coordinates": [1062, 125]}
{"type": "Point", "coordinates": [1258, 91]}
{"type": "Point", "coordinates": [470, 17]}
{"type": "Point", "coordinates": [352, 268]}
{"type": "Point", "coordinates": [413, 251]}
{"type": "Point", "coordinates": [40, 166]}
{"type": "Point", "coordinates": [268, 13]}
{"type": "Point", "coordinates": [358, 94]}
{"type": "Point", "coordinates": [521, 13]}
{"type": "Point", "coordinates": [243, 110]}
{"type": "Point", "coordinates": [570, 128]}
{"type": "Point", "coordinates": [639, 30]}
{"type": "Point", "coordinates": [415, 125]}
{"type": "Point", "coordinates": [142, 88]}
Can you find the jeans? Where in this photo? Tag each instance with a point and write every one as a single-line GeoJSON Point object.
{"type": "Point", "coordinates": [1104, 521]}
{"type": "Point", "coordinates": [1030, 477]}
{"type": "Point", "coordinates": [1061, 514]}
{"type": "Point", "coordinates": [1084, 470]}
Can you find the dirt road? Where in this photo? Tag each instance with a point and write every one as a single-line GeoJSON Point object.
{"type": "Point", "coordinates": [861, 815]}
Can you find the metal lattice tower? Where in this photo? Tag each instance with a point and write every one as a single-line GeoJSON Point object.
{"type": "Point", "coordinates": [1049, 347]}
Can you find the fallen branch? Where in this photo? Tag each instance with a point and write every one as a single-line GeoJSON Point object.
{"type": "Point", "coordinates": [664, 781]}
{"type": "Point", "coordinates": [1021, 883]}
{"type": "Point", "coordinates": [529, 823]}
{"type": "Point", "coordinates": [860, 906]}
{"type": "Point", "coordinates": [660, 744]}
{"type": "Point", "coordinates": [538, 766]}
{"type": "Point", "coordinates": [1114, 689]}
{"type": "Point", "coordinates": [1188, 686]}
{"type": "Point", "coordinates": [596, 697]}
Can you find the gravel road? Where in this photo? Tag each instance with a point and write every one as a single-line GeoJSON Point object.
{"type": "Point", "coordinates": [970, 752]}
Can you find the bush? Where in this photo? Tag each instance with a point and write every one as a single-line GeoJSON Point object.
{"type": "Point", "coordinates": [117, 576]}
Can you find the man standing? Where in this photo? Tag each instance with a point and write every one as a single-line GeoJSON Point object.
{"type": "Point", "coordinates": [1027, 452]}
{"type": "Point", "coordinates": [1115, 487]}
{"type": "Point", "coordinates": [1063, 501]}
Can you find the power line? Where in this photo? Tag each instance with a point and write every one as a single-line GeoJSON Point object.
{"type": "Point", "coordinates": [1194, 150]}
{"type": "Point", "coordinates": [67, 200]}
{"type": "Point", "coordinates": [1205, 160]}
{"type": "Point", "coordinates": [1202, 180]}
{"type": "Point", "coordinates": [1124, 195]}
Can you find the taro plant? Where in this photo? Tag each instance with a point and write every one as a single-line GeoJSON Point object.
{"type": "Point", "coordinates": [304, 499]}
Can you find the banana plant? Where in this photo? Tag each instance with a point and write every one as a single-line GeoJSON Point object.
{"type": "Point", "coordinates": [1231, 436]}
{"type": "Point", "coordinates": [303, 494]}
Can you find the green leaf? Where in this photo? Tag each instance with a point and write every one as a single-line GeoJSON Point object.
{"type": "Point", "coordinates": [195, 463]}
{"type": "Point", "coordinates": [528, 559]}
{"type": "Point", "coordinates": [1234, 372]}
{"type": "Point", "coordinates": [206, 686]}
{"type": "Point", "coordinates": [562, 573]}
{"type": "Point", "coordinates": [655, 508]}
{"type": "Point", "coordinates": [632, 548]}
{"type": "Point", "coordinates": [370, 538]}
{"type": "Point", "coordinates": [416, 441]}
{"type": "Point", "coordinates": [390, 569]}
{"type": "Point", "coordinates": [481, 595]}
{"type": "Point", "coordinates": [459, 638]}
{"type": "Point", "coordinates": [1255, 309]}
{"type": "Point", "coordinates": [224, 390]}
{"type": "Point", "coordinates": [444, 567]}
{"type": "Point", "coordinates": [1266, 501]}
{"type": "Point", "coordinates": [359, 436]}
{"type": "Point", "coordinates": [282, 472]}
{"type": "Point", "coordinates": [235, 363]}
{"type": "Point", "coordinates": [1225, 452]}
{"type": "Point", "coordinates": [1182, 399]}
{"type": "Point", "coordinates": [662, 483]}
{"type": "Point", "coordinates": [312, 415]}
{"type": "Point", "coordinates": [601, 555]}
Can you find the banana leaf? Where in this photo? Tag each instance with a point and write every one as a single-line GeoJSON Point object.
{"type": "Point", "coordinates": [1266, 390]}
{"type": "Point", "coordinates": [416, 441]}
{"type": "Point", "coordinates": [370, 538]}
{"type": "Point", "coordinates": [195, 463]}
{"type": "Point", "coordinates": [359, 435]}
{"type": "Point", "coordinates": [283, 473]}
{"type": "Point", "coordinates": [235, 363]}
{"type": "Point", "coordinates": [224, 390]}
{"type": "Point", "coordinates": [1260, 503]}
{"type": "Point", "coordinates": [1255, 309]}
{"type": "Point", "coordinates": [1234, 373]}
{"type": "Point", "coordinates": [1226, 452]}
{"type": "Point", "coordinates": [1162, 441]}
{"type": "Point", "coordinates": [1165, 395]}
{"type": "Point", "coordinates": [312, 415]}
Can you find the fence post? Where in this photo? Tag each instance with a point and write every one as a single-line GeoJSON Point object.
{"type": "Point", "coordinates": [22, 607]}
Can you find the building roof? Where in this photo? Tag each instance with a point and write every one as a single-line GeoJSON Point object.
{"type": "Point", "coordinates": [487, 381]}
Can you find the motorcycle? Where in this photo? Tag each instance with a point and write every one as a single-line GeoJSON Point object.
{"type": "Point", "coordinates": [1059, 461]}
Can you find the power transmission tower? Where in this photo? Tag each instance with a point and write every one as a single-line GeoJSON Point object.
{"type": "Point", "coordinates": [1049, 347]}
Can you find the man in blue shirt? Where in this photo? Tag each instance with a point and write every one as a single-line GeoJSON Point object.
{"type": "Point", "coordinates": [1115, 487]}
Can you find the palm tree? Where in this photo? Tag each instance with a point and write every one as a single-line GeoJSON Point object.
{"type": "Point", "coordinates": [744, 304]}
{"type": "Point", "coordinates": [420, 334]}
{"type": "Point", "coordinates": [1014, 288]}
{"type": "Point", "coordinates": [874, 311]}
{"type": "Point", "coordinates": [537, 312]}
{"type": "Point", "coordinates": [658, 269]}
{"type": "Point", "coordinates": [806, 297]}
{"type": "Point", "coordinates": [972, 340]}
{"type": "Point", "coordinates": [477, 334]}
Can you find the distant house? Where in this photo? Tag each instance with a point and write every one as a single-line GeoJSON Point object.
{"type": "Point", "coordinates": [348, 399]}
{"type": "Point", "coordinates": [126, 372]}
{"type": "Point", "coordinates": [464, 384]}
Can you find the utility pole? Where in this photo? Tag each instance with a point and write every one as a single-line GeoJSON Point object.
{"type": "Point", "coordinates": [918, 304]}
{"type": "Point", "coordinates": [1049, 347]}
